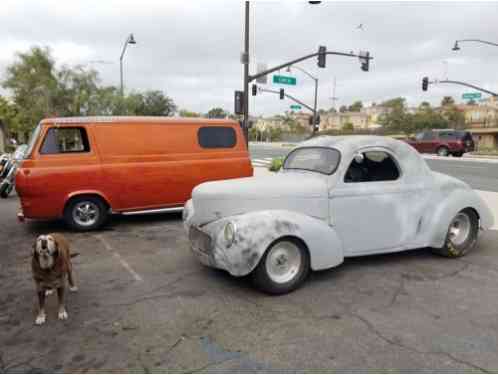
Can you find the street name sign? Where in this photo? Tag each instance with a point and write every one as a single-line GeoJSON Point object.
{"type": "Point", "coordinates": [295, 106]}
{"type": "Point", "coordinates": [471, 95]}
{"type": "Point", "coordinates": [284, 80]}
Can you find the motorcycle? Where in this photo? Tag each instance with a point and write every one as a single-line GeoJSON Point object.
{"type": "Point", "coordinates": [9, 170]}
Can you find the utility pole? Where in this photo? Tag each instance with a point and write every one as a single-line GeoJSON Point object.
{"type": "Point", "coordinates": [245, 61]}
{"type": "Point", "coordinates": [333, 97]}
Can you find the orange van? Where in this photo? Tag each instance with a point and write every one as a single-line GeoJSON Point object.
{"type": "Point", "coordinates": [83, 169]}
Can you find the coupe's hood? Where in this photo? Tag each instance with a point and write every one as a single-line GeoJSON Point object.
{"type": "Point", "coordinates": [305, 193]}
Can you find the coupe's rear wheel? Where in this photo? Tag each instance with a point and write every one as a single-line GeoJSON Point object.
{"type": "Point", "coordinates": [442, 151]}
{"type": "Point", "coordinates": [462, 235]}
{"type": "Point", "coordinates": [283, 268]}
{"type": "Point", "coordinates": [86, 213]}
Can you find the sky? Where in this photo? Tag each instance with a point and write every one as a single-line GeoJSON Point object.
{"type": "Point", "coordinates": [191, 49]}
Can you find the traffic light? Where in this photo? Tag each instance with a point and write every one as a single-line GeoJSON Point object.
{"type": "Point", "coordinates": [322, 56]}
{"type": "Point", "coordinates": [239, 102]}
{"type": "Point", "coordinates": [254, 89]}
{"type": "Point", "coordinates": [282, 94]}
{"type": "Point", "coordinates": [425, 83]}
{"type": "Point", "coordinates": [365, 60]}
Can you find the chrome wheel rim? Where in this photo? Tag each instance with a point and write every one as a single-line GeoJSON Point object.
{"type": "Point", "coordinates": [443, 152]}
{"type": "Point", "coordinates": [85, 214]}
{"type": "Point", "coordinates": [283, 262]}
{"type": "Point", "coordinates": [460, 229]}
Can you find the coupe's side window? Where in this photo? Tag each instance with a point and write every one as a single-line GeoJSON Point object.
{"type": "Point", "coordinates": [65, 140]}
{"type": "Point", "coordinates": [372, 166]}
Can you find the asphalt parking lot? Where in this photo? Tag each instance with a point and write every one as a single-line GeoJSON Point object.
{"type": "Point", "coordinates": [145, 304]}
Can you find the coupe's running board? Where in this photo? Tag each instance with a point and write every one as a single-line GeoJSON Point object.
{"type": "Point", "coordinates": [153, 211]}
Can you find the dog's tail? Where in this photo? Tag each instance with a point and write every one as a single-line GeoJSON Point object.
{"type": "Point", "coordinates": [73, 255]}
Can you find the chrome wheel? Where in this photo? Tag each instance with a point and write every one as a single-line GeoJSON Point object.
{"type": "Point", "coordinates": [85, 213]}
{"type": "Point", "coordinates": [283, 262]}
{"type": "Point", "coordinates": [443, 151]}
{"type": "Point", "coordinates": [460, 229]}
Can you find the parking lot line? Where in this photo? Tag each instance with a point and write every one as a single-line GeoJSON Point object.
{"type": "Point", "coordinates": [123, 262]}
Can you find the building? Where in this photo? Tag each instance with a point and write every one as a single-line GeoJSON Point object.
{"type": "Point", "coordinates": [336, 121]}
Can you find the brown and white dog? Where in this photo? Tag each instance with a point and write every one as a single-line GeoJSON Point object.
{"type": "Point", "coordinates": [51, 264]}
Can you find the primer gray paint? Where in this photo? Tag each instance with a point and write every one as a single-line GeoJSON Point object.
{"type": "Point", "coordinates": [334, 219]}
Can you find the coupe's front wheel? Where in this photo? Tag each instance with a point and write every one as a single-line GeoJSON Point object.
{"type": "Point", "coordinates": [462, 235]}
{"type": "Point", "coordinates": [285, 265]}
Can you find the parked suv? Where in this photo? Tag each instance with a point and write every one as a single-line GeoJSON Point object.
{"type": "Point", "coordinates": [443, 142]}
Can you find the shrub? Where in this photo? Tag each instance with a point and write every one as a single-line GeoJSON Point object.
{"type": "Point", "coordinates": [276, 164]}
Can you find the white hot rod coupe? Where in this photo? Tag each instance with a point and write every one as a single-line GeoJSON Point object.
{"type": "Point", "coordinates": [335, 197]}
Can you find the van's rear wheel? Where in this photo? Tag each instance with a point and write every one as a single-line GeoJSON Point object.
{"type": "Point", "coordinates": [285, 265]}
{"type": "Point", "coordinates": [86, 213]}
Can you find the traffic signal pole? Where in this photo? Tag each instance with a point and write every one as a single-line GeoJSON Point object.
{"type": "Point", "coordinates": [245, 60]}
{"type": "Point", "coordinates": [463, 84]}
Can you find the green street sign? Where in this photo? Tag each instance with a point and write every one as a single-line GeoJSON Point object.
{"type": "Point", "coordinates": [471, 95]}
{"type": "Point", "coordinates": [284, 80]}
{"type": "Point", "coordinates": [295, 106]}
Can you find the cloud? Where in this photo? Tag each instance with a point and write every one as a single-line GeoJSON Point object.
{"type": "Point", "coordinates": [192, 49]}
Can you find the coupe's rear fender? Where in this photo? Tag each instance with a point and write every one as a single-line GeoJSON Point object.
{"type": "Point", "coordinates": [256, 231]}
{"type": "Point", "coordinates": [447, 209]}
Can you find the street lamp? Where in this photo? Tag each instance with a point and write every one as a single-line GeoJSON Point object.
{"type": "Point", "coordinates": [456, 47]}
{"type": "Point", "coordinates": [245, 61]}
{"type": "Point", "coordinates": [129, 40]}
{"type": "Point", "coordinates": [316, 90]}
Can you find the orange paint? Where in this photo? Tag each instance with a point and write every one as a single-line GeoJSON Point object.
{"type": "Point", "coordinates": [133, 163]}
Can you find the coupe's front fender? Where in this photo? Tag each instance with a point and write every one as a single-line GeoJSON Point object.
{"type": "Point", "coordinates": [256, 231]}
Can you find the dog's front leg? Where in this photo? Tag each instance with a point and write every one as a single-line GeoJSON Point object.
{"type": "Point", "coordinates": [41, 317]}
{"type": "Point", "coordinates": [62, 309]}
{"type": "Point", "coordinates": [70, 278]}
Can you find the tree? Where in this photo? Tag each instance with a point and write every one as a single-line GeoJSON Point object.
{"type": "Point", "coordinates": [9, 115]}
{"type": "Point", "coordinates": [396, 118]}
{"type": "Point", "coordinates": [217, 112]}
{"type": "Point", "coordinates": [356, 106]}
{"type": "Point", "coordinates": [187, 113]}
{"type": "Point", "coordinates": [348, 126]}
{"type": "Point", "coordinates": [343, 109]}
{"type": "Point", "coordinates": [447, 100]}
{"type": "Point", "coordinates": [33, 84]}
{"type": "Point", "coordinates": [77, 91]}
{"type": "Point", "coordinates": [454, 117]}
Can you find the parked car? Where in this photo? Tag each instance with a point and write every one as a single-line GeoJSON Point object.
{"type": "Point", "coordinates": [443, 142]}
{"type": "Point", "coordinates": [83, 169]}
{"type": "Point", "coordinates": [9, 170]}
{"type": "Point", "coordinates": [335, 197]}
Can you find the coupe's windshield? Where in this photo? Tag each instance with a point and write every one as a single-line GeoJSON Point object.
{"type": "Point", "coordinates": [32, 140]}
{"type": "Point", "coordinates": [317, 159]}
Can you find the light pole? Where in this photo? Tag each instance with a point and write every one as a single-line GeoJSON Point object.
{"type": "Point", "coordinates": [316, 91]}
{"type": "Point", "coordinates": [129, 40]}
{"type": "Point", "coordinates": [456, 47]}
{"type": "Point", "coordinates": [245, 61]}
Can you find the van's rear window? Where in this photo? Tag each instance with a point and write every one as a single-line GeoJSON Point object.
{"type": "Point", "coordinates": [217, 137]}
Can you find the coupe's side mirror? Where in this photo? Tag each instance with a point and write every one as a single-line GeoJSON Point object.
{"type": "Point", "coordinates": [359, 158]}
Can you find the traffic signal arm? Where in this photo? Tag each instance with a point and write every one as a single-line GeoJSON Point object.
{"type": "Point", "coordinates": [279, 67]}
{"type": "Point", "coordinates": [289, 97]}
{"type": "Point", "coordinates": [426, 83]}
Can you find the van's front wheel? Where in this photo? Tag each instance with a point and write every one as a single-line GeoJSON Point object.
{"type": "Point", "coordinates": [86, 213]}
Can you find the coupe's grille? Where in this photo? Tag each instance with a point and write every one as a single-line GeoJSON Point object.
{"type": "Point", "coordinates": [200, 240]}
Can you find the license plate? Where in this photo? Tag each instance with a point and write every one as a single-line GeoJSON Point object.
{"type": "Point", "coordinates": [200, 240]}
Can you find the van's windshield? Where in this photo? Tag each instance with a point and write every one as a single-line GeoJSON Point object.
{"type": "Point", "coordinates": [32, 141]}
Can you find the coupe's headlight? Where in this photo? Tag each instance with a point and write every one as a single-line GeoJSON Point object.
{"type": "Point", "coordinates": [229, 233]}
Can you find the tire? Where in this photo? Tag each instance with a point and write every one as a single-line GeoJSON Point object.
{"type": "Point", "coordinates": [458, 154]}
{"type": "Point", "coordinates": [442, 151]}
{"type": "Point", "coordinates": [462, 235]}
{"type": "Point", "coordinates": [274, 277]}
{"type": "Point", "coordinates": [86, 213]}
{"type": "Point", "coordinates": [5, 190]}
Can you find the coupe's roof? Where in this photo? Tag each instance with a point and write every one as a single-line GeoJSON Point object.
{"type": "Point", "coordinates": [348, 142]}
{"type": "Point", "coordinates": [142, 119]}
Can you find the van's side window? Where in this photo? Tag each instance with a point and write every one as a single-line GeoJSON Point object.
{"type": "Point", "coordinates": [65, 140]}
{"type": "Point", "coordinates": [217, 137]}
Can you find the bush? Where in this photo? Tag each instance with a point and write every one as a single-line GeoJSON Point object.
{"type": "Point", "coordinates": [276, 164]}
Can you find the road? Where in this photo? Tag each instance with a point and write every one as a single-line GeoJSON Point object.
{"type": "Point", "coordinates": [479, 174]}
